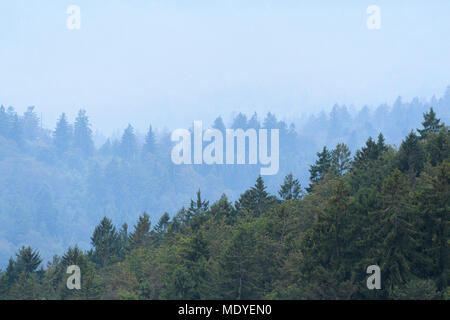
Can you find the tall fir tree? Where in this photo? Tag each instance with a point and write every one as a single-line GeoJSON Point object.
{"type": "Point", "coordinates": [219, 125]}
{"type": "Point", "coordinates": [62, 135]}
{"type": "Point", "coordinates": [30, 122]}
{"type": "Point", "coordinates": [290, 189]}
{"type": "Point", "coordinates": [150, 142]}
{"type": "Point", "coordinates": [367, 153]}
{"type": "Point", "coordinates": [140, 237]}
{"type": "Point", "coordinates": [340, 159]}
{"type": "Point", "coordinates": [434, 200]}
{"type": "Point", "coordinates": [430, 124]}
{"type": "Point", "coordinates": [411, 156]}
{"type": "Point", "coordinates": [329, 251]}
{"type": "Point", "coordinates": [320, 167]}
{"type": "Point", "coordinates": [256, 200]}
{"type": "Point", "coordinates": [381, 145]}
{"type": "Point", "coordinates": [28, 260]}
{"type": "Point", "coordinates": [82, 134]}
{"type": "Point", "coordinates": [162, 225]}
{"type": "Point", "coordinates": [15, 128]}
{"type": "Point", "coordinates": [396, 232]}
{"type": "Point", "coordinates": [128, 145]}
{"type": "Point", "coordinates": [254, 122]}
{"type": "Point", "coordinates": [106, 243]}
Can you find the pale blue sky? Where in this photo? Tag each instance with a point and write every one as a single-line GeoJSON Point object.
{"type": "Point", "coordinates": [172, 62]}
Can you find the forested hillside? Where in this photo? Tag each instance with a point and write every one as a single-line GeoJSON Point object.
{"type": "Point", "coordinates": [387, 206]}
{"type": "Point", "coordinates": [55, 184]}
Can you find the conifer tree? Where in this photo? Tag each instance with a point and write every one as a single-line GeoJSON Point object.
{"type": "Point", "coordinates": [381, 146]}
{"type": "Point", "coordinates": [74, 256]}
{"type": "Point", "coordinates": [411, 156]}
{"type": "Point", "coordinates": [28, 260]}
{"type": "Point", "coordinates": [82, 134]}
{"type": "Point", "coordinates": [196, 211]}
{"type": "Point", "coordinates": [256, 199]}
{"type": "Point", "coordinates": [340, 159]}
{"type": "Point", "coordinates": [15, 128]}
{"type": "Point", "coordinates": [30, 124]}
{"type": "Point", "coordinates": [106, 149]}
{"type": "Point", "coordinates": [320, 168]}
{"type": "Point", "coordinates": [395, 231]}
{"type": "Point", "coordinates": [141, 234]}
{"type": "Point", "coordinates": [253, 122]}
{"type": "Point", "coordinates": [270, 121]}
{"type": "Point", "coordinates": [150, 142]}
{"type": "Point", "coordinates": [123, 240]}
{"type": "Point", "coordinates": [367, 153]}
{"type": "Point", "coordinates": [197, 207]}
{"type": "Point", "coordinates": [128, 145]}
{"type": "Point", "coordinates": [290, 189]}
{"type": "Point", "coordinates": [62, 135]}
{"type": "Point", "coordinates": [161, 226]}
{"type": "Point", "coordinates": [240, 122]}
{"type": "Point", "coordinates": [224, 208]}
{"type": "Point", "coordinates": [434, 199]}
{"type": "Point", "coordinates": [329, 256]}
{"type": "Point", "coordinates": [238, 265]}
{"type": "Point", "coordinates": [430, 124]}
{"type": "Point", "coordinates": [437, 146]}
{"type": "Point", "coordinates": [219, 125]}
{"type": "Point", "coordinates": [105, 241]}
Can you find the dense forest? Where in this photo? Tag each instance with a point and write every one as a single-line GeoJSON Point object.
{"type": "Point", "coordinates": [386, 205]}
{"type": "Point", "coordinates": [57, 183]}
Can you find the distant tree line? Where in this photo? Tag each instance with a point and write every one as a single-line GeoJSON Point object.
{"type": "Point", "coordinates": [383, 206]}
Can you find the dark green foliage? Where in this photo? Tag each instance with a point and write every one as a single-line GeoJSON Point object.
{"type": "Point", "coordinates": [28, 260]}
{"type": "Point", "coordinates": [141, 235]}
{"type": "Point", "coordinates": [239, 267]}
{"type": "Point", "coordinates": [386, 207]}
{"type": "Point", "coordinates": [79, 184]}
{"type": "Point", "coordinates": [22, 275]}
{"type": "Point", "coordinates": [256, 200]}
{"type": "Point", "coordinates": [371, 151]}
{"type": "Point", "coordinates": [395, 230]}
{"type": "Point", "coordinates": [416, 290]}
{"type": "Point", "coordinates": [434, 206]}
{"type": "Point", "coordinates": [411, 156]}
{"type": "Point", "coordinates": [290, 189]}
{"type": "Point", "coordinates": [106, 243]}
{"type": "Point", "coordinates": [340, 159]}
{"type": "Point", "coordinates": [430, 124]}
{"type": "Point", "coordinates": [223, 209]}
{"type": "Point", "coordinates": [161, 227]}
{"type": "Point", "coordinates": [437, 146]}
{"type": "Point", "coordinates": [321, 167]}
{"type": "Point", "coordinates": [196, 210]}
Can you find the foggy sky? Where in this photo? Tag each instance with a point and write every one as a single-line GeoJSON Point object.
{"type": "Point", "coordinates": [171, 62]}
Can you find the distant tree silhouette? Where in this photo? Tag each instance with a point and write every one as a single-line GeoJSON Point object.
{"type": "Point", "coordinates": [62, 135]}
{"type": "Point", "coordinates": [82, 139]}
{"type": "Point", "coordinates": [128, 144]}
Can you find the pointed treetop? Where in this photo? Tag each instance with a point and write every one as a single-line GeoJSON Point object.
{"type": "Point", "coordinates": [290, 189]}
{"type": "Point", "coordinates": [430, 124]}
{"type": "Point", "coordinates": [150, 141]}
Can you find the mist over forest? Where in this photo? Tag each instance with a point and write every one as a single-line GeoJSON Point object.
{"type": "Point", "coordinates": [56, 185]}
